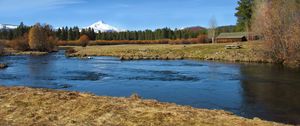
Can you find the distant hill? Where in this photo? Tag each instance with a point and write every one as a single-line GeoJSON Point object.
{"type": "Point", "coordinates": [227, 28]}
{"type": "Point", "coordinates": [195, 28]}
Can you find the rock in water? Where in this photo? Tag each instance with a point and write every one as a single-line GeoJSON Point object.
{"type": "Point", "coordinates": [2, 66]}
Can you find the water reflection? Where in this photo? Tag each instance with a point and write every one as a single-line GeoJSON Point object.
{"type": "Point", "coordinates": [40, 68]}
{"type": "Point", "coordinates": [272, 92]}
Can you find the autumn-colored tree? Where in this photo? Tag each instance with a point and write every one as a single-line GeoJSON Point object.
{"type": "Point", "coordinates": [278, 22]}
{"type": "Point", "coordinates": [38, 38]}
{"type": "Point", "coordinates": [41, 38]}
{"type": "Point", "coordinates": [84, 40]}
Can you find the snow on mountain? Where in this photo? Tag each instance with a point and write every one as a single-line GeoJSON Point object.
{"type": "Point", "coordinates": [103, 27]}
{"type": "Point", "coordinates": [8, 26]}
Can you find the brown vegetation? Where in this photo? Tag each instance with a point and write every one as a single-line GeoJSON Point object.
{"type": "Point", "coordinates": [84, 40]}
{"type": "Point", "coordinates": [199, 39]}
{"type": "Point", "coordinates": [26, 106]}
{"type": "Point", "coordinates": [20, 43]}
{"type": "Point", "coordinates": [41, 38]}
{"type": "Point", "coordinates": [278, 22]}
{"type": "Point", "coordinates": [1, 48]}
{"type": "Point", "coordinates": [70, 51]}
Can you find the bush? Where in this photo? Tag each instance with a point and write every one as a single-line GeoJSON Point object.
{"type": "Point", "coordinates": [84, 40]}
{"type": "Point", "coordinates": [202, 38]}
{"type": "Point", "coordinates": [20, 43]}
{"type": "Point", "coordinates": [52, 43]}
{"type": "Point", "coordinates": [1, 48]}
{"type": "Point", "coordinates": [199, 39]}
{"type": "Point", "coordinates": [70, 51]}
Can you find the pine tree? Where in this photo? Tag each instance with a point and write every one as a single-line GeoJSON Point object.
{"type": "Point", "coordinates": [244, 14]}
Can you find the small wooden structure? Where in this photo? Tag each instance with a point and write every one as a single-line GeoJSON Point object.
{"type": "Point", "coordinates": [233, 46]}
{"type": "Point", "coordinates": [232, 37]}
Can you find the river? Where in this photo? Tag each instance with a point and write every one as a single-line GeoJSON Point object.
{"type": "Point", "coordinates": [267, 91]}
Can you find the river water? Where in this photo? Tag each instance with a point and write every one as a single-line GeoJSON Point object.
{"type": "Point", "coordinates": [266, 91]}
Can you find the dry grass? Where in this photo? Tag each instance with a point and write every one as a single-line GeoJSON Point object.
{"type": "Point", "coordinates": [249, 53]}
{"type": "Point", "coordinates": [10, 51]}
{"type": "Point", "coordinates": [200, 39]}
{"type": "Point", "coordinates": [26, 106]}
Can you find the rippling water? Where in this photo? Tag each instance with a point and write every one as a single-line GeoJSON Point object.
{"type": "Point", "coordinates": [251, 90]}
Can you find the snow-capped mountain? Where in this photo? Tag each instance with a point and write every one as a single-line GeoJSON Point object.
{"type": "Point", "coordinates": [8, 26]}
{"type": "Point", "coordinates": [103, 27]}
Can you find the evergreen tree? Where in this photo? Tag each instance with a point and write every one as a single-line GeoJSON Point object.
{"type": "Point", "coordinates": [244, 14]}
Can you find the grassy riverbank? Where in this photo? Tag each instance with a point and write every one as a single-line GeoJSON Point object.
{"type": "Point", "coordinates": [250, 52]}
{"type": "Point", "coordinates": [10, 52]}
{"type": "Point", "coordinates": [27, 106]}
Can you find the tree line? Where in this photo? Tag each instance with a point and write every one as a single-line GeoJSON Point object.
{"type": "Point", "coordinates": [34, 38]}
{"type": "Point", "coordinates": [9, 34]}
{"type": "Point", "coordinates": [74, 33]}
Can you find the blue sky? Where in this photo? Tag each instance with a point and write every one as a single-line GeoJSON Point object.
{"type": "Point", "coordinates": [125, 14]}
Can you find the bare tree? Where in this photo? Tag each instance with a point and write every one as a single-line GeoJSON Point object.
{"type": "Point", "coordinates": [212, 31]}
{"type": "Point", "coordinates": [278, 22]}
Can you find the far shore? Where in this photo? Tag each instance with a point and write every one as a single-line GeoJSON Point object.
{"type": "Point", "coordinates": [12, 52]}
{"type": "Point", "coordinates": [250, 52]}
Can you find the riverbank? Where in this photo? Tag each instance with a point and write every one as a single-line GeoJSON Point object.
{"type": "Point", "coordinates": [12, 52]}
{"type": "Point", "coordinates": [27, 106]}
{"type": "Point", "coordinates": [250, 52]}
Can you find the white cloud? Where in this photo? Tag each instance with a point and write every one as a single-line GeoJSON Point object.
{"type": "Point", "coordinates": [23, 5]}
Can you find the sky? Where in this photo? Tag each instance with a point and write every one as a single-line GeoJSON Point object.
{"type": "Point", "coordinates": [124, 14]}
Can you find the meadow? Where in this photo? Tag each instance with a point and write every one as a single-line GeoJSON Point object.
{"type": "Point", "coordinates": [250, 52]}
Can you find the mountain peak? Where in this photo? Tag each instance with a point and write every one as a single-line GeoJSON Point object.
{"type": "Point", "coordinates": [8, 26]}
{"type": "Point", "coordinates": [100, 22]}
{"type": "Point", "coordinates": [103, 27]}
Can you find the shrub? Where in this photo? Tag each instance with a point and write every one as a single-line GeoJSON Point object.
{"type": "Point", "coordinates": [202, 38]}
{"type": "Point", "coordinates": [70, 51]}
{"type": "Point", "coordinates": [52, 43]}
{"type": "Point", "coordinates": [84, 40]}
{"type": "Point", "coordinates": [1, 49]}
{"type": "Point", "coordinates": [20, 44]}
